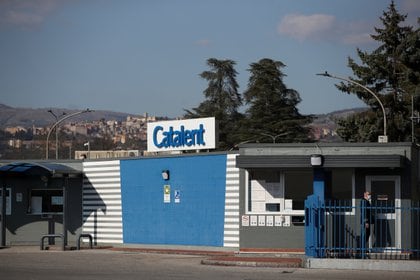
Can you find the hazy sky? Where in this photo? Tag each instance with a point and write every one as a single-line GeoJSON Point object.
{"type": "Point", "coordinates": [140, 56]}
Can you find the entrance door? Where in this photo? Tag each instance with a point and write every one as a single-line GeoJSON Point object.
{"type": "Point", "coordinates": [386, 203]}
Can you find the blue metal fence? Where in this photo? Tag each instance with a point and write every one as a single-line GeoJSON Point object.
{"type": "Point", "coordinates": [349, 229]}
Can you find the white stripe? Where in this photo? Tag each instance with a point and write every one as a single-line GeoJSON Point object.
{"type": "Point", "coordinates": [232, 194]}
{"type": "Point", "coordinates": [232, 201]}
{"type": "Point", "coordinates": [229, 215]}
{"type": "Point", "coordinates": [105, 209]}
{"type": "Point", "coordinates": [234, 181]}
{"type": "Point", "coordinates": [231, 238]}
{"type": "Point", "coordinates": [102, 186]}
{"type": "Point", "coordinates": [232, 220]}
{"type": "Point", "coordinates": [102, 196]}
{"type": "Point", "coordinates": [100, 213]}
{"type": "Point", "coordinates": [88, 170]}
{"type": "Point", "coordinates": [105, 180]}
{"type": "Point", "coordinates": [102, 204]}
{"type": "Point", "coordinates": [116, 224]}
{"type": "Point", "coordinates": [111, 241]}
{"type": "Point", "coordinates": [99, 163]}
{"type": "Point", "coordinates": [103, 230]}
{"type": "Point", "coordinates": [233, 245]}
{"type": "Point", "coordinates": [231, 232]}
{"type": "Point", "coordinates": [103, 174]}
{"type": "Point", "coordinates": [92, 191]}
{"type": "Point", "coordinates": [231, 176]}
{"type": "Point", "coordinates": [89, 219]}
{"type": "Point", "coordinates": [231, 226]}
{"type": "Point", "coordinates": [100, 235]}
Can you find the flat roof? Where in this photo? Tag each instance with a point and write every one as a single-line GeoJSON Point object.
{"type": "Point", "coordinates": [37, 169]}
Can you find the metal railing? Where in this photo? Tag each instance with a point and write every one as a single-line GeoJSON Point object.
{"type": "Point", "coordinates": [383, 230]}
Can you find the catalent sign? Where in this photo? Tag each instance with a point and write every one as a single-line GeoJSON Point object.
{"type": "Point", "coordinates": [191, 134]}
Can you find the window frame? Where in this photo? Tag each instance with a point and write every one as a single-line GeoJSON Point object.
{"type": "Point", "coordinates": [290, 212]}
{"type": "Point", "coordinates": [283, 211]}
{"type": "Point", "coordinates": [8, 200]}
{"type": "Point", "coordinates": [46, 195]}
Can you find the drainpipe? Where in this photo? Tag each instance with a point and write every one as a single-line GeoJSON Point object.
{"type": "Point", "coordinates": [65, 187]}
{"type": "Point", "coordinates": [3, 215]}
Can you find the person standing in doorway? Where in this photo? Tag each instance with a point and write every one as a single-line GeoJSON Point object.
{"type": "Point", "coordinates": [366, 219]}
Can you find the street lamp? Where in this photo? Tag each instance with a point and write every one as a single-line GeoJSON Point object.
{"type": "Point", "coordinates": [381, 138]}
{"type": "Point", "coordinates": [56, 132]}
{"type": "Point", "coordinates": [274, 137]}
{"type": "Point", "coordinates": [60, 121]}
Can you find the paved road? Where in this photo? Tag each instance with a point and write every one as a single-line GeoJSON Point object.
{"type": "Point", "coordinates": [105, 264]}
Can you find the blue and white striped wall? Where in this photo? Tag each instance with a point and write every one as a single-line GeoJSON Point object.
{"type": "Point", "coordinates": [124, 201]}
{"type": "Point", "coordinates": [102, 211]}
{"type": "Point", "coordinates": [231, 222]}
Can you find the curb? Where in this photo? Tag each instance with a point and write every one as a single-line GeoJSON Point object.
{"type": "Point", "coordinates": [351, 264]}
{"type": "Point", "coordinates": [173, 251]}
{"type": "Point", "coordinates": [224, 258]}
{"type": "Point", "coordinates": [254, 262]}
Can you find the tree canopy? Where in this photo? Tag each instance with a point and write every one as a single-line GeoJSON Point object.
{"type": "Point", "coordinates": [392, 71]}
{"type": "Point", "coordinates": [272, 115]}
{"type": "Point", "coordinates": [222, 99]}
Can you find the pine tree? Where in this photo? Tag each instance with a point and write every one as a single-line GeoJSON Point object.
{"type": "Point", "coordinates": [392, 71]}
{"type": "Point", "coordinates": [222, 100]}
{"type": "Point", "coordinates": [272, 115]}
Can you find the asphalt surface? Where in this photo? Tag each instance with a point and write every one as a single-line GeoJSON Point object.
{"type": "Point", "coordinates": [103, 264]}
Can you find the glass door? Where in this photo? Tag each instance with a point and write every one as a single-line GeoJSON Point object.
{"type": "Point", "coordinates": [386, 208]}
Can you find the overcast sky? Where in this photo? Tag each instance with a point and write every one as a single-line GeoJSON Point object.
{"type": "Point", "coordinates": [139, 56]}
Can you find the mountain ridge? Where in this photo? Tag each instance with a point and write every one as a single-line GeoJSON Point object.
{"type": "Point", "coordinates": [40, 117]}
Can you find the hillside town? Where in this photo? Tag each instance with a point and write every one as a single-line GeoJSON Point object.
{"type": "Point", "coordinates": [129, 135]}
{"type": "Point", "coordinates": [27, 142]}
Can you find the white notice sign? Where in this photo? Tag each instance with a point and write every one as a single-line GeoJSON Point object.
{"type": "Point", "coordinates": [166, 194]}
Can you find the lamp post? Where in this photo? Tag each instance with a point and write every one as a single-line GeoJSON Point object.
{"type": "Point", "coordinates": [56, 132]}
{"type": "Point", "coordinates": [274, 137]}
{"type": "Point", "coordinates": [381, 138]}
{"type": "Point", "coordinates": [88, 147]}
{"type": "Point", "coordinates": [60, 121]}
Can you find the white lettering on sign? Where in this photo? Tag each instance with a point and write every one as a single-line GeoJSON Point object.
{"type": "Point", "coordinates": [191, 134]}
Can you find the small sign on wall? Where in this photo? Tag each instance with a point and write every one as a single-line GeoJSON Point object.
{"type": "Point", "coordinates": [254, 221]}
{"type": "Point", "coordinates": [278, 221]}
{"type": "Point", "coordinates": [261, 221]}
{"type": "Point", "coordinates": [177, 196]}
{"type": "Point", "coordinates": [166, 194]}
{"type": "Point", "coordinates": [245, 220]}
{"type": "Point", "coordinates": [269, 221]}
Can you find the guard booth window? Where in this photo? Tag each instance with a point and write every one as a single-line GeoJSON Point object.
{"type": "Point", "coordinates": [46, 201]}
{"type": "Point", "coordinates": [298, 187]}
{"type": "Point", "coordinates": [271, 190]}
